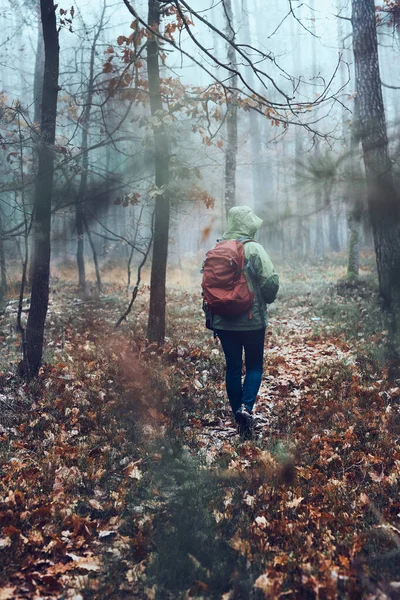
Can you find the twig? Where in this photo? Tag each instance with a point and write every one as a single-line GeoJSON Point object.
{"type": "Point", "coordinates": [136, 288]}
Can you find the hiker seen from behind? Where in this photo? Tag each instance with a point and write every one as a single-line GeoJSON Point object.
{"type": "Point", "coordinates": [239, 281]}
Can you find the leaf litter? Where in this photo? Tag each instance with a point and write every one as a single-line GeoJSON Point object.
{"type": "Point", "coordinates": [96, 454]}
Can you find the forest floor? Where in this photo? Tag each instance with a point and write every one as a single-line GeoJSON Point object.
{"type": "Point", "coordinates": [122, 474]}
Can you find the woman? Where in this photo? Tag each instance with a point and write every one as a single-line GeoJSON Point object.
{"type": "Point", "coordinates": [247, 330]}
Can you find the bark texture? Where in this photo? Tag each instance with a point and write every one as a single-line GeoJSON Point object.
{"type": "Point", "coordinates": [319, 247]}
{"type": "Point", "coordinates": [156, 322]}
{"type": "Point", "coordinates": [231, 119]}
{"type": "Point", "coordinates": [3, 270]}
{"type": "Point", "coordinates": [333, 226]}
{"type": "Point", "coordinates": [81, 225]}
{"type": "Point", "coordinates": [39, 70]}
{"type": "Point", "coordinates": [356, 193]}
{"type": "Point", "coordinates": [43, 194]}
{"type": "Point", "coordinates": [383, 199]}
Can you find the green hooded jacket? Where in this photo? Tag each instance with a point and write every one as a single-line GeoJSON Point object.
{"type": "Point", "coordinates": [261, 277]}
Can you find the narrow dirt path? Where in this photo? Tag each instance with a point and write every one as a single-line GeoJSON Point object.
{"type": "Point", "coordinates": [296, 346]}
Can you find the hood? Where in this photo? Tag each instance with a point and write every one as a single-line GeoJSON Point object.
{"type": "Point", "coordinates": [242, 222]}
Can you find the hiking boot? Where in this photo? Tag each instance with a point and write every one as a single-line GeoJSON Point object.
{"type": "Point", "coordinates": [245, 432]}
{"type": "Point", "coordinates": [244, 420]}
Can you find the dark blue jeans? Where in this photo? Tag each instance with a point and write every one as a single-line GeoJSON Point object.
{"type": "Point", "coordinates": [233, 343]}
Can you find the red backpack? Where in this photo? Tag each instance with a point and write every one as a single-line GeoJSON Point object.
{"type": "Point", "coordinates": [225, 289]}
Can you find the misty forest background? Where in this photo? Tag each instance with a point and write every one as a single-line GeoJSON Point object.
{"type": "Point", "coordinates": [127, 132]}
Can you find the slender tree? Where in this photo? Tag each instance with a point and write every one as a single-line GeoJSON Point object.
{"type": "Point", "coordinates": [356, 194]}
{"type": "Point", "coordinates": [302, 231]}
{"type": "Point", "coordinates": [319, 247]}
{"type": "Point", "coordinates": [43, 194]}
{"type": "Point", "coordinates": [39, 69]}
{"type": "Point", "coordinates": [156, 322]}
{"type": "Point", "coordinates": [3, 270]}
{"type": "Point", "coordinates": [261, 173]}
{"type": "Point", "coordinates": [383, 198]}
{"type": "Point", "coordinates": [81, 222]}
{"type": "Point", "coordinates": [353, 188]}
{"type": "Point", "coordinates": [231, 119]}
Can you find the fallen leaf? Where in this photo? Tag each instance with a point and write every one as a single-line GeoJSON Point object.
{"type": "Point", "coordinates": [88, 563]}
{"type": "Point", "coordinates": [264, 583]}
{"type": "Point", "coordinates": [375, 477]}
{"type": "Point", "coordinates": [7, 593]}
{"type": "Point", "coordinates": [132, 471]}
{"type": "Point", "coordinates": [261, 522]}
{"type": "Point", "coordinates": [95, 504]}
{"type": "Point", "coordinates": [294, 503]}
{"type": "Point", "coordinates": [4, 542]}
{"type": "Point", "coordinates": [103, 534]}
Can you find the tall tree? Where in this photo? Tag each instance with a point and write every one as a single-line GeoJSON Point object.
{"type": "Point", "coordinates": [356, 197]}
{"type": "Point", "coordinates": [39, 68]}
{"type": "Point", "coordinates": [231, 119]}
{"type": "Point", "coordinates": [383, 199]}
{"type": "Point", "coordinates": [81, 224]}
{"type": "Point", "coordinates": [319, 247]}
{"type": "Point", "coordinates": [33, 343]}
{"type": "Point", "coordinates": [156, 322]}
{"type": "Point", "coordinates": [3, 271]}
{"type": "Point", "coordinates": [354, 189]}
{"type": "Point", "coordinates": [260, 168]}
{"type": "Point", "coordinates": [302, 232]}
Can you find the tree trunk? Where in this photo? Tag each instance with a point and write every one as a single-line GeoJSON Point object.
{"type": "Point", "coordinates": [37, 107]}
{"type": "Point", "coordinates": [38, 77]}
{"type": "Point", "coordinates": [3, 274]}
{"type": "Point", "coordinates": [300, 222]}
{"type": "Point", "coordinates": [80, 208]}
{"type": "Point", "coordinates": [383, 199]}
{"type": "Point", "coordinates": [156, 323]}
{"type": "Point", "coordinates": [353, 263]}
{"type": "Point", "coordinates": [333, 228]}
{"type": "Point", "coordinates": [80, 248]}
{"type": "Point", "coordinates": [353, 189]}
{"type": "Point", "coordinates": [231, 119]}
{"type": "Point", "coordinates": [319, 246]}
{"type": "Point", "coordinates": [43, 194]}
{"type": "Point", "coordinates": [95, 257]}
{"type": "Point", "coordinates": [356, 193]}
{"type": "Point", "coordinates": [261, 175]}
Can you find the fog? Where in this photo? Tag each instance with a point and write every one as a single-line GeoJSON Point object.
{"type": "Point", "coordinates": [294, 58]}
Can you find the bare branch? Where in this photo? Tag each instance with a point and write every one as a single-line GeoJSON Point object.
{"type": "Point", "coordinates": [139, 276]}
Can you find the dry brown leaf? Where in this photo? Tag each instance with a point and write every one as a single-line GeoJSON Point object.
{"type": "Point", "coordinates": [95, 504]}
{"type": "Point", "coordinates": [241, 545]}
{"type": "Point", "coordinates": [7, 593]}
{"type": "Point", "coordinates": [375, 477]}
{"type": "Point", "coordinates": [88, 562]}
{"type": "Point", "coordinates": [294, 503]}
{"type": "Point", "coordinates": [261, 522]}
{"type": "Point", "coordinates": [264, 583]}
{"type": "Point", "coordinates": [132, 471]}
{"type": "Point", "coordinates": [249, 500]}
